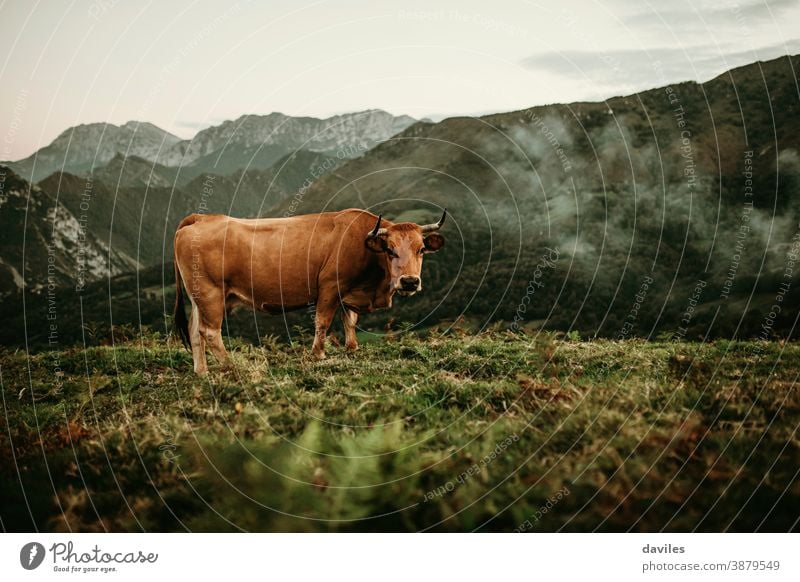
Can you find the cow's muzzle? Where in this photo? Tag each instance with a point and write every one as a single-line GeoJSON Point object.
{"type": "Point", "coordinates": [409, 285]}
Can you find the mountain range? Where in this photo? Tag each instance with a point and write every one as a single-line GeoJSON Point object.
{"type": "Point", "coordinates": [249, 142]}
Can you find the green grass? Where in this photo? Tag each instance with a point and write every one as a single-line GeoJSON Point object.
{"type": "Point", "coordinates": [494, 432]}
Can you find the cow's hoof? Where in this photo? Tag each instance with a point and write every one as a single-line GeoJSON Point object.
{"type": "Point", "coordinates": [318, 355]}
{"type": "Point", "coordinates": [351, 347]}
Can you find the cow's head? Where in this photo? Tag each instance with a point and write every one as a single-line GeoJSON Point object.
{"type": "Point", "coordinates": [403, 245]}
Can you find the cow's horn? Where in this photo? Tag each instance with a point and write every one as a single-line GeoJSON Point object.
{"type": "Point", "coordinates": [378, 230]}
{"type": "Point", "coordinates": [435, 226]}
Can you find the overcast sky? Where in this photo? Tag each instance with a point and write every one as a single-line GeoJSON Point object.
{"type": "Point", "coordinates": [184, 65]}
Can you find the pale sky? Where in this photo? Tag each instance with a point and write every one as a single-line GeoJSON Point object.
{"type": "Point", "coordinates": [184, 65]}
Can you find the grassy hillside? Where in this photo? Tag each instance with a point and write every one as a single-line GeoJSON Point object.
{"type": "Point", "coordinates": [450, 432]}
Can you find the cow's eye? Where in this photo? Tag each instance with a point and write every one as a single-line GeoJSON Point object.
{"type": "Point", "coordinates": [391, 253]}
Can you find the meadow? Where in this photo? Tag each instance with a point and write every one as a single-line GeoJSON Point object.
{"type": "Point", "coordinates": [450, 431]}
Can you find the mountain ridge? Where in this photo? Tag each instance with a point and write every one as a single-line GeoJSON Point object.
{"type": "Point", "coordinates": [251, 140]}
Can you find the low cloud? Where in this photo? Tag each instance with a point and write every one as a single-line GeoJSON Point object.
{"type": "Point", "coordinates": [699, 15]}
{"type": "Point", "coordinates": [630, 70]}
{"type": "Point", "coordinates": [197, 125]}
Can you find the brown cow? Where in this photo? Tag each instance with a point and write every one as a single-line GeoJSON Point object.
{"type": "Point", "coordinates": [350, 258]}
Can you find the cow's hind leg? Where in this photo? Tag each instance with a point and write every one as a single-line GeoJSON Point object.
{"type": "Point", "coordinates": [214, 339]}
{"type": "Point", "coordinates": [198, 341]}
{"type": "Point", "coordinates": [211, 326]}
{"type": "Point", "coordinates": [350, 319]}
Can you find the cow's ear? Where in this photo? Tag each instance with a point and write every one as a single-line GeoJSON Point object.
{"type": "Point", "coordinates": [433, 242]}
{"type": "Point", "coordinates": [377, 244]}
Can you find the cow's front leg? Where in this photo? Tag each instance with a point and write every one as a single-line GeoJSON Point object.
{"type": "Point", "coordinates": [350, 319]}
{"type": "Point", "coordinates": [325, 312]}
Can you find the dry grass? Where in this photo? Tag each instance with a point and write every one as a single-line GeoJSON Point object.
{"type": "Point", "coordinates": [643, 435]}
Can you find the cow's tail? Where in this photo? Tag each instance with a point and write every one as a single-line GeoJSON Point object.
{"type": "Point", "coordinates": [179, 321]}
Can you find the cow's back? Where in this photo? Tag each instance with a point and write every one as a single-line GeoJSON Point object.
{"type": "Point", "coordinates": [272, 262]}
